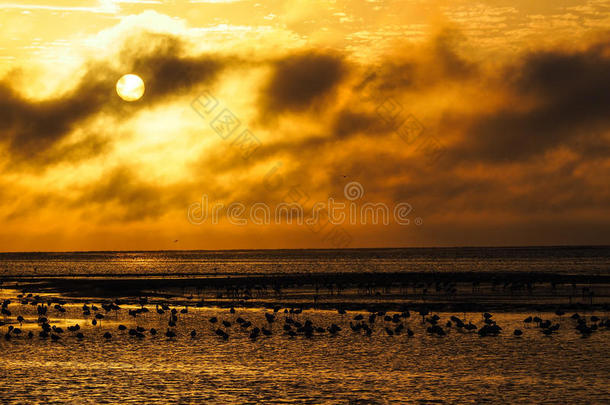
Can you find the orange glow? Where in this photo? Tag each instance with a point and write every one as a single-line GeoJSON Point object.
{"type": "Point", "coordinates": [486, 120]}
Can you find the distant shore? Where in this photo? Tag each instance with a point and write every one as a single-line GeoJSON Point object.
{"type": "Point", "coordinates": [507, 291]}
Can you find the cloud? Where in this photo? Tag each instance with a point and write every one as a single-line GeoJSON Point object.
{"type": "Point", "coordinates": [525, 139]}
{"type": "Point", "coordinates": [348, 122]}
{"type": "Point", "coordinates": [122, 188]}
{"type": "Point", "coordinates": [420, 67]}
{"type": "Point", "coordinates": [73, 151]}
{"type": "Point", "coordinates": [166, 66]}
{"type": "Point", "coordinates": [32, 128]}
{"type": "Point", "coordinates": [29, 127]}
{"type": "Point", "coordinates": [555, 98]}
{"type": "Point", "coordinates": [300, 80]}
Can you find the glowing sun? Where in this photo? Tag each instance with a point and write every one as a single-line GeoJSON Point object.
{"type": "Point", "coordinates": [130, 87]}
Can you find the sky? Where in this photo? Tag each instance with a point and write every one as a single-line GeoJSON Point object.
{"type": "Point", "coordinates": [459, 123]}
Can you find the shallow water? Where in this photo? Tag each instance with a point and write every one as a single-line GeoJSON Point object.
{"type": "Point", "coordinates": [347, 368]}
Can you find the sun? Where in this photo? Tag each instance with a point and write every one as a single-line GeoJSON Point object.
{"type": "Point", "coordinates": [130, 87]}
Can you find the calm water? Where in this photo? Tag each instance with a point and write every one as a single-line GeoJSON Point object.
{"type": "Point", "coordinates": [573, 260]}
{"type": "Point", "coordinates": [347, 368]}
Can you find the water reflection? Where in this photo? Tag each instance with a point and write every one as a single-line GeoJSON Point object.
{"type": "Point", "coordinates": [341, 367]}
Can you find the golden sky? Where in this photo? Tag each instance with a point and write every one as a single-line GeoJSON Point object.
{"type": "Point", "coordinates": [489, 119]}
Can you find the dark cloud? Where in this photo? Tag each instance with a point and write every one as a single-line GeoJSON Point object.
{"type": "Point", "coordinates": [32, 129]}
{"type": "Point", "coordinates": [167, 68]}
{"type": "Point", "coordinates": [557, 98]}
{"type": "Point", "coordinates": [73, 151]}
{"type": "Point", "coordinates": [445, 52]}
{"type": "Point", "coordinates": [29, 127]}
{"type": "Point", "coordinates": [526, 190]}
{"type": "Point", "coordinates": [300, 80]}
{"type": "Point", "coordinates": [121, 194]}
{"type": "Point", "coordinates": [348, 122]}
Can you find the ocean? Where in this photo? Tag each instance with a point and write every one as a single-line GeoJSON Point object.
{"type": "Point", "coordinates": [560, 260]}
{"type": "Point", "coordinates": [362, 326]}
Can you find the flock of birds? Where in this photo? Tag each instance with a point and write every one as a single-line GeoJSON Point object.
{"type": "Point", "coordinates": [292, 325]}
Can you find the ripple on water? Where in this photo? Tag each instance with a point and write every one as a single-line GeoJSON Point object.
{"type": "Point", "coordinates": [348, 368]}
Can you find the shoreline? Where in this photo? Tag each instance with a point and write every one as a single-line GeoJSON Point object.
{"type": "Point", "coordinates": [457, 291]}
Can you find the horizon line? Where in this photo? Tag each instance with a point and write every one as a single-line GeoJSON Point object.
{"type": "Point", "coordinates": [317, 249]}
